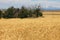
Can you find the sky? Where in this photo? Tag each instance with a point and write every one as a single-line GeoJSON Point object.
{"type": "Point", "coordinates": [47, 4]}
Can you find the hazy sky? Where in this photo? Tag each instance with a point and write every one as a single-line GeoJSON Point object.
{"type": "Point", "coordinates": [19, 3]}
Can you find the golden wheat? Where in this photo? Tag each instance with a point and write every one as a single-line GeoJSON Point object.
{"type": "Point", "coordinates": [46, 28]}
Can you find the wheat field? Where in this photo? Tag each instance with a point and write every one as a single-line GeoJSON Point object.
{"type": "Point", "coordinates": [42, 28]}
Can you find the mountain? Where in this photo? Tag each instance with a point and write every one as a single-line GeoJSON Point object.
{"type": "Point", "coordinates": [51, 8]}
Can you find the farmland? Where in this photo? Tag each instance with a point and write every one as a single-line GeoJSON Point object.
{"type": "Point", "coordinates": [42, 28]}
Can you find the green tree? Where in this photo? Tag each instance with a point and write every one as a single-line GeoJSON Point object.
{"type": "Point", "coordinates": [23, 12]}
{"type": "Point", "coordinates": [9, 12]}
{"type": "Point", "coordinates": [38, 12]}
{"type": "Point", "coordinates": [0, 13]}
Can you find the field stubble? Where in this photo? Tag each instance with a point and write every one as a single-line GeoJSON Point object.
{"type": "Point", "coordinates": [47, 28]}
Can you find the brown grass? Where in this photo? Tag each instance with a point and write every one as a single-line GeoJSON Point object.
{"type": "Point", "coordinates": [47, 28]}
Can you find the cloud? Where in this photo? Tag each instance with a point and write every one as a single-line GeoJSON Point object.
{"type": "Point", "coordinates": [43, 3]}
{"type": "Point", "coordinates": [53, 4]}
{"type": "Point", "coordinates": [6, 1]}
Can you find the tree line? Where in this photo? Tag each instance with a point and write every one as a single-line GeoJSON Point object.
{"type": "Point", "coordinates": [22, 12]}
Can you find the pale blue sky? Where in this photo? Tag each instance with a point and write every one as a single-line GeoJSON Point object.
{"type": "Point", "coordinates": [19, 3]}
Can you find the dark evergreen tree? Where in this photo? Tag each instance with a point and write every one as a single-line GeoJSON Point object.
{"type": "Point", "coordinates": [38, 12]}
{"type": "Point", "coordinates": [23, 12]}
{"type": "Point", "coordinates": [0, 13]}
{"type": "Point", "coordinates": [9, 13]}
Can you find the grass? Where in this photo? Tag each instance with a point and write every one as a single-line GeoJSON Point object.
{"type": "Point", "coordinates": [47, 28]}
